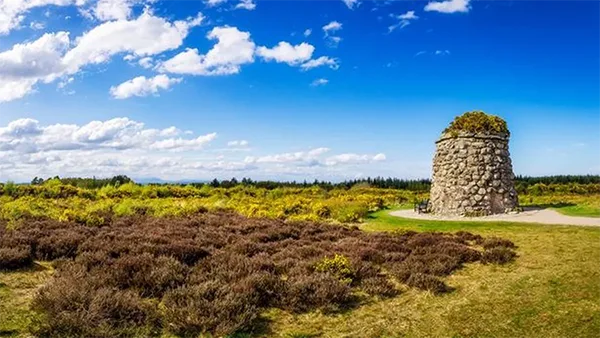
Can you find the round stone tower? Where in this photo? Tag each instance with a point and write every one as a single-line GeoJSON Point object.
{"type": "Point", "coordinates": [472, 170]}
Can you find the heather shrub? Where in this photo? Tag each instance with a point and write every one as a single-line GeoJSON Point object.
{"type": "Point", "coordinates": [61, 243]}
{"type": "Point", "coordinates": [379, 286]}
{"type": "Point", "coordinates": [498, 255]}
{"type": "Point", "coordinates": [75, 305]}
{"type": "Point", "coordinates": [15, 258]}
{"type": "Point", "coordinates": [213, 273]}
{"type": "Point", "coordinates": [426, 282]}
{"type": "Point", "coordinates": [320, 291]}
{"type": "Point", "coordinates": [209, 307]}
{"type": "Point", "coordinates": [495, 242]}
{"type": "Point", "coordinates": [150, 276]}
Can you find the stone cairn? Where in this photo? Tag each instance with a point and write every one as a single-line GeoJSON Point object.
{"type": "Point", "coordinates": [472, 170]}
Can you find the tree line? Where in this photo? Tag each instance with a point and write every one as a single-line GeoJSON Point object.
{"type": "Point", "coordinates": [419, 185]}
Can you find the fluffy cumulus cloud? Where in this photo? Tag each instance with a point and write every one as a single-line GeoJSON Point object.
{"type": "Point", "coordinates": [13, 12]}
{"type": "Point", "coordinates": [448, 6]}
{"type": "Point", "coordinates": [54, 55]}
{"type": "Point", "coordinates": [141, 41]}
{"type": "Point", "coordinates": [233, 49]}
{"type": "Point", "coordinates": [284, 52]}
{"type": "Point", "coordinates": [29, 63]}
{"type": "Point", "coordinates": [29, 148]}
{"type": "Point", "coordinates": [142, 86]}
{"type": "Point", "coordinates": [144, 36]}
{"type": "Point", "coordinates": [29, 136]}
{"type": "Point", "coordinates": [113, 9]}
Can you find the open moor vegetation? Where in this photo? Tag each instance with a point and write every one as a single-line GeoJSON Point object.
{"type": "Point", "coordinates": [215, 272]}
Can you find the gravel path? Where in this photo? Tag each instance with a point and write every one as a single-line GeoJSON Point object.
{"type": "Point", "coordinates": [545, 216]}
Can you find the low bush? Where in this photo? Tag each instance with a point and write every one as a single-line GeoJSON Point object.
{"type": "Point", "coordinates": [498, 255]}
{"type": "Point", "coordinates": [214, 273]}
{"type": "Point", "coordinates": [379, 286]}
{"type": "Point", "coordinates": [15, 258]}
{"type": "Point", "coordinates": [210, 307]}
{"type": "Point", "coordinates": [426, 282]}
{"type": "Point", "coordinates": [76, 304]}
{"type": "Point", "coordinates": [495, 242]}
{"type": "Point", "coordinates": [321, 291]}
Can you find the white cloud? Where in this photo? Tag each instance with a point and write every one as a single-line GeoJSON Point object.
{"type": "Point", "coordinates": [237, 143]}
{"type": "Point", "coordinates": [142, 86]}
{"type": "Point", "coordinates": [319, 82]}
{"type": "Point", "coordinates": [233, 49]}
{"type": "Point", "coordinates": [181, 144]}
{"type": "Point", "coordinates": [49, 57]}
{"type": "Point", "coordinates": [307, 32]}
{"type": "Point", "coordinates": [307, 157]}
{"type": "Point", "coordinates": [213, 3]}
{"type": "Point", "coordinates": [246, 4]}
{"type": "Point", "coordinates": [321, 61]}
{"type": "Point", "coordinates": [12, 12]}
{"type": "Point", "coordinates": [421, 52]}
{"type": "Point", "coordinates": [353, 159]}
{"type": "Point", "coordinates": [442, 52]}
{"type": "Point", "coordinates": [286, 53]}
{"type": "Point", "coordinates": [314, 158]}
{"type": "Point", "coordinates": [65, 82]}
{"type": "Point", "coordinates": [28, 136]}
{"type": "Point", "coordinates": [106, 10]}
{"type": "Point", "coordinates": [146, 62]}
{"type": "Point", "coordinates": [351, 3]}
{"type": "Point", "coordinates": [144, 36]}
{"type": "Point", "coordinates": [35, 25]}
{"type": "Point", "coordinates": [449, 6]}
{"type": "Point", "coordinates": [404, 20]}
{"type": "Point", "coordinates": [29, 148]}
{"type": "Point", "coordinates": [331, 27]}
{"type": "Point", "coordinates": [26, 64]}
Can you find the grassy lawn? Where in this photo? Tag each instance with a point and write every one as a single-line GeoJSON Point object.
{"type": "Point", "coordinates": [570, 205]}
{"type": "Point", "coordinates": [551, 290]}
{"type": "Point", "coordinates": [16, 291]}
{"type": "Point", "coordinates": [579, 210]}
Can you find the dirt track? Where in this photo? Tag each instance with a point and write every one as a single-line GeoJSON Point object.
{"type": "Point", "coordinates": [545, 216]}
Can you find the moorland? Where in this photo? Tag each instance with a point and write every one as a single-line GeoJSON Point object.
{"type": "Point", "coordinates": [97, 258]}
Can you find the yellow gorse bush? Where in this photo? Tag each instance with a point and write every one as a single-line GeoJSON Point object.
{"type": "Point", "coordinates": [95, 206]}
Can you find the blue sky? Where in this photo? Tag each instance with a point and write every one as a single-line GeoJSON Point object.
{"type": "Point", "coordinates": [290, 90]}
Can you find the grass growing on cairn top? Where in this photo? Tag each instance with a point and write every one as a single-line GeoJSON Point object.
{"type": "Point", "coordinates": [477, 122]}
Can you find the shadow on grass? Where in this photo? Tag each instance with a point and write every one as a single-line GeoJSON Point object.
{"type": "Point", "coordinates": [548, 205]}
{"type": "Point", "coordinates": [34, 267]}
{"type": "Point", "coordinates": [8, 333]}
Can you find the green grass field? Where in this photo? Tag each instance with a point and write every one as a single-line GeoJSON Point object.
{"type": "Point", "coordinates": [551, 290]}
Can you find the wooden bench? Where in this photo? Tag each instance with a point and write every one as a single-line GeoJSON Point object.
{"type": "Point", "coordinates": [421, 207]}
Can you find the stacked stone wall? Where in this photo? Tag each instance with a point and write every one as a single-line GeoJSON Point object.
{"type": "Point", "coordinates": [472, 175]}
